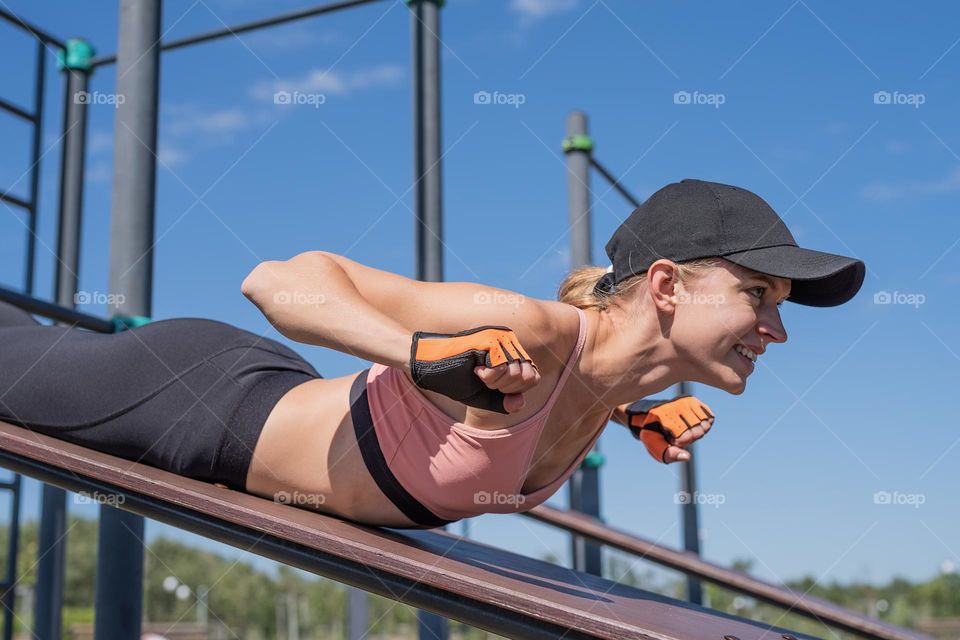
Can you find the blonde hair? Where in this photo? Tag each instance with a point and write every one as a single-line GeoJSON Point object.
{"type": "Point", "coordinates": [578, 288]}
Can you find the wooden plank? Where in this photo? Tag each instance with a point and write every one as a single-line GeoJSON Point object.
{"type": "Point", "coordinates": [817, 608]}
{"type": "Point", "coordinates": [483, 586]}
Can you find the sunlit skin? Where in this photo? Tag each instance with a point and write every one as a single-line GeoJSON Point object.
{"type": "Point", "coordinates": [679, 331]}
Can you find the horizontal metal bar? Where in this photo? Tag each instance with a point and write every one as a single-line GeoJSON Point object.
{"type": "Point", "coordinates": [55, 311]}
{"type": "Point", "coordinates": [14, 200]}
{"type": "Point", "coordinates": [17, 111]}
{"type": "Point", "coordinates": [18, 22]}
{"type": "Point", "coordinates": [8, 485]}
{"type": "Point", "coordinates": [245, 27]}
{"type": "Point", "coordinates": [691, 564]}
{"type": "Point", "coordinates": [614, 182]}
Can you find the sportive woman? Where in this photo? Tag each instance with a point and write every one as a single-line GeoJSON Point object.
{"type": "Point", "coordinates": [479, 400]}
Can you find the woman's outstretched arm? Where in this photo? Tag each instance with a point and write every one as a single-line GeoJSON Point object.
{"type": "Point", "coordinates": [311, 299]}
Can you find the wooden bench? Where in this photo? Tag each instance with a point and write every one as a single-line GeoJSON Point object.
{"type": "Point", "coordinates": [489, 588]}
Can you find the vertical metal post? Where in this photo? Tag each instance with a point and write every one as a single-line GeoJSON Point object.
{"type": "Point", "coordinates": [35, 155]}
{"type": "Point", "coordinates": [584, 486]}
{"type": "Point", "coordinates": [119, 582]}
{"type": "Point", "coordinates": [74, 61]}
{"type": "Point", "coordinates": [13, 543]}
{"type": "Point", "coordinates": [359, 614]}
{"type": "Point", "coordinates": [688, 512]}
{"type": "Point", "coordinates": [428, 174]}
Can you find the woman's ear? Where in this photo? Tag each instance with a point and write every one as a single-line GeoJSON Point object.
{"type": "Point", "coordinates": [662, 285]}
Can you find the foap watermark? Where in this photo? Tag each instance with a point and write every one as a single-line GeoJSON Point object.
{"type": "Point", "coordinates": [95, 297]}
{"type": "Point", "coordinates": [497, 498]}
{"type": "Point", "coordinates": [896, 498]}
{"type": "Point", "coordinates": [898, 98]}
{"type": "Point", "coordinates": [712, 499]}
{"type": "Point", "coordinates": [712, 299]}
{"type": "Point", "coordinates": [498, 297]}
{"type": "Point", "coordinates": [299, 498]}
{"type": "Point", "coordinates": [98, 497]}
{"type": "Point", "coordinates": [298, 98]}
{"type": "Point", "coordinates": [515, 100]}
{"type": "Point", "coordinates": [298, 297]}
{"type": "Point", "coordinates": [697, 98]}
{"type": "Point", "coordinates": [98, 97]}
{"type": "Point", "coordinates": [898, 297]}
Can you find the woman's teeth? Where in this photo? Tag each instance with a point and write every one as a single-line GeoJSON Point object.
{"type": "Point", "coordinates": [747, 353]}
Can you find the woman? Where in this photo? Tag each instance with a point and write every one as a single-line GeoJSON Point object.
{"type": "Point", "coordinates": [425, 437]}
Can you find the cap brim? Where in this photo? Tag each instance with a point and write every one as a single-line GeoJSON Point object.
{"type": "Point", "coordinates": [818, 279]}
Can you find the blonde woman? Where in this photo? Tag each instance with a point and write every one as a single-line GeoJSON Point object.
{"type": "Point", "coordinates": [479, 400]}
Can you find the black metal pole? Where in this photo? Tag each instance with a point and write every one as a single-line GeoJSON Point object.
{"type": "Point", "coordinates": [428, 176]}
{"type": "Point", "coordinates": [52, 543]}
{"type": "Point", "coordinates": [248, 26]}
{"type": "Point", "coordinates": [584, 486]}
{"type": "Point", "coordinates": [35, 165]}
{"type": "Point", "coordinates": [689, 513]}
{"type": "Point", "coordinates": [119, 583]}
{"type": "Point", "coordinates": [36, 32]}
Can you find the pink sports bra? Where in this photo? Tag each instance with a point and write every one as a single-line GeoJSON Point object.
{"type": "Point", "coordinates": [454, 470]}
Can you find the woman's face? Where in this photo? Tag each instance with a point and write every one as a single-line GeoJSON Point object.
{"type": "Point", "coordinates": [727, 306]}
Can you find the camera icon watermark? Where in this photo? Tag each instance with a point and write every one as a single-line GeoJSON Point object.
{"type": "Point", "coordinates": [98, 97]}
{"type": "Point", "coordinates": [895, 498]}
{"type": "Point", "coordinates": [296, 98]}
{"type": "Point", "coordinates": [515, 100]}
{"type": "Point", "coordinates": [497, 498]}
{"type": "Point", "coordinates": [711, 499]}
{"type": "Point", "coordinates": [298, 297]}
{"type": "Point", "coordinates": [897, 297]}
{"type": "Point", "coordinates": [714, 100]}
{"type": "Point", "coordinates": [898, 98]}
{"type": "Point", "coordinates": [299, 498]}
{"type": "Point", "coordinates": [711, 299]}
{"type": "Point", "coordinates": [98, 497]}
{"type": "Point", "coordinates": [498, 297]}
{"type": "Point", "coordinates": [96, 297]}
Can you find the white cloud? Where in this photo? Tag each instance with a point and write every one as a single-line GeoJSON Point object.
{"type": "Point", "coordinates": [539, 9]}
{"type": "Point", "coordinates": [189, 119]}
{"type": "Point", "coordinates": [171, 156]}
{"type": "Point", "coordinates": [330, 82]}
{"type": "Point", "coordinates": [890, 191]}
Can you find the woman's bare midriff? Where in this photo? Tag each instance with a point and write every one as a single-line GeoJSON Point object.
{"type": "Point", "coordinates": [307, 453]}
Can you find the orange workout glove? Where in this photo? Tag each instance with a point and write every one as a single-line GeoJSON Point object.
{"type": "Point", "coordinates": [444, 362]}
{"type": "Point", "coordinates": [658, 423]}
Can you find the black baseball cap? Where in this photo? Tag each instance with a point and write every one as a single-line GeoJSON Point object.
{"type": "Point", "coordinates": [697, 219]}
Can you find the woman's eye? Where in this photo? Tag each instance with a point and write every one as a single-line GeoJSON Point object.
{"type": "Point", "coordinates": [761, 289]}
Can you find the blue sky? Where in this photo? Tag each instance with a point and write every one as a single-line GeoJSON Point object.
{"type": "Point", "coordinates": [783, 103]}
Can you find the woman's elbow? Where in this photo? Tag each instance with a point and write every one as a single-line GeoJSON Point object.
{"type": "Point", "coordinates": [261, 278]}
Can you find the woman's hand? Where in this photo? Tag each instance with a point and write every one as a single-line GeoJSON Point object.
{"type": "Point", "coordinates": [667, 427]}
{"type": "Point", "coordinates": [485, 367]}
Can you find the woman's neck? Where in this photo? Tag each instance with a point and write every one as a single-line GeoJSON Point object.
{"type": "Point", "coordinates": [619, 366]}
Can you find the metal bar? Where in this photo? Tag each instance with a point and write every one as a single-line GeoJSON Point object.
{"type": "Point", "coordinates": [51, 544]}
{"type": "Point", "coordinates": [614, 182]}
{"type": "Point", "coordinates": [118, 603]}
{"type": "Point", "coordinates": [14, 200]}
{"type": "Point", "coordinates": [823, 611]}
{"type": "Point", "coordinates": [17, 111]}
{"type": "Point", "coordinates": [13, 543]}
{"type": "Point", "coordinates": [35, 167]}
{"type": "Point", "coordinates": [428, 184]}
{"type": "Point", "coordinates": [689, 509]}
{"type": "Point", "coordinates": [34, 31]}
{"type": "Point", "coordinates": [56, 312]}
{"type": "Point", "coordinates": [584, 486]}
{"type": "Point", "coordinates": [245, 27]}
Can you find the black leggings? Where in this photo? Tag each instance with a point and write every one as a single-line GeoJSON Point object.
{"type": "Point", "coordinates": [188, 395]}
